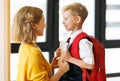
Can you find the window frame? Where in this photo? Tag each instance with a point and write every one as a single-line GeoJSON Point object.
{"type": "Point", "coordinates": [100, 27]}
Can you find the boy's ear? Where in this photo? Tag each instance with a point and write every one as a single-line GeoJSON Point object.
{"type": "Point", "coordinates": [78, 19]}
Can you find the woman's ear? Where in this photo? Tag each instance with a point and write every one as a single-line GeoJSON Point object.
{"type": "Point", "coordinates": [78, 18]}
{"type": "Point", "coordinates": [32, 24]}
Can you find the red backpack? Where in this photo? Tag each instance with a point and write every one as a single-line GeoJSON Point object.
{"type": "Point", "coordinates": [98, 72]}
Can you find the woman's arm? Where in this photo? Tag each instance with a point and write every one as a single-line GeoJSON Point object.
{"type": "Point", "coordinates": [64, 67]}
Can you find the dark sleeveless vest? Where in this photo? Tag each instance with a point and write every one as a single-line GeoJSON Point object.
{"type": "Point", "coordinates": [74, 73]}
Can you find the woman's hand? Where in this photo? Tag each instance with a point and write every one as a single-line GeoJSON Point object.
{"type": "Point", "coordinates": [58, 52]}
{"type": "Point", "coordinates": [54, 63]}
{"type": "Point", "coordinates": [64, 66]}
{"type": "Point", "coordinates": [66, 56]}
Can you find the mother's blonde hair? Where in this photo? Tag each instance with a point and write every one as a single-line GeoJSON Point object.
{"type": "Point", "coordinates": [21, 30]}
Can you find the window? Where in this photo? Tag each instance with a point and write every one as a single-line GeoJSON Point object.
{"type": "Point", "coordinates": [112, 20]}
{"type": "Point", "coordinates": [107, 26]}
{"type": "Point", "coordinates": [112, 36]}
{"type": "Point", "coordinates": [102, 22]}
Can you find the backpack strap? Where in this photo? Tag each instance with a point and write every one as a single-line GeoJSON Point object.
{"type": "Point", "coordinates": [75, 52]}
{"type": "Point", "coordinates": [75, 44]}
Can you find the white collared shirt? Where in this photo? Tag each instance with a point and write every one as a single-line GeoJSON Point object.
{"type": "Point", "coordinates": [85, 47]}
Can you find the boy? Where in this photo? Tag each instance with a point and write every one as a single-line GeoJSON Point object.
{"type": "Point", "coordinates": [74, 16]}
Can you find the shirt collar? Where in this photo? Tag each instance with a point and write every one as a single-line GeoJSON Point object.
{"type": "Point", "coordinates": [73, 35]}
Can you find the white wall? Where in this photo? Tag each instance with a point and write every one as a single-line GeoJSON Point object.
{"type": "Point", "coordinates": [4, 41]}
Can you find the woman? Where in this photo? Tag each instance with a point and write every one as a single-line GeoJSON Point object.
{"type": "Point", "coordinates": [32, 66]}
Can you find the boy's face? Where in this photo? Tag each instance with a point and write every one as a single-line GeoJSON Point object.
{"type": "Point", "coordinates": [69, 21]}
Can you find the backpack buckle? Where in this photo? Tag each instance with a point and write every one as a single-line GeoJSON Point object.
{"type": "Point", "coordinates": [99, 69]}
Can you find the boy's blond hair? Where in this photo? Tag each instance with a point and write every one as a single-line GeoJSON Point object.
{"type": "Point", "coordinates": [77, 9]}
{"type": "Point", "coordinates": [21, 30]}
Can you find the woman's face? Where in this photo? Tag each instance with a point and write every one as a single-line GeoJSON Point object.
{"type": "Point", "coordinates": [39, 27]}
